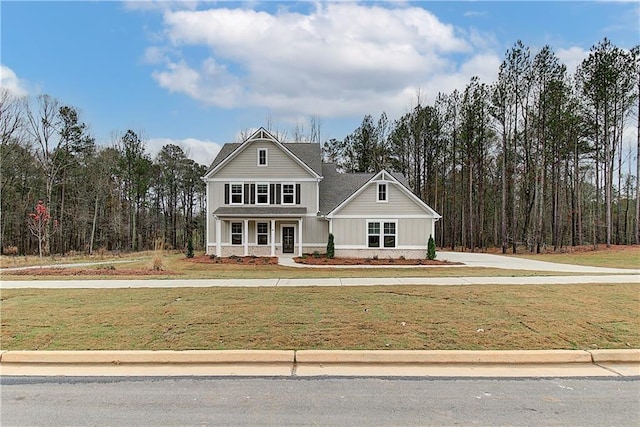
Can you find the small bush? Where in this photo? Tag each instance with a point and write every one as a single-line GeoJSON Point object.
{"type": "Point", "coordinates": [190, 248]}
{"type": "Point", "coordinates": [157, 263]}
{"type": "Point", "coordinates": [213, 257]}
{"type": "Point", "coordinates": [331, 247]}
{"type": "Point", "coordinates": [431, 249]}
{"type": "Point", "coordinates": [375, 257]}
{"type": "Point", "coordinates": [10, 250]}
{"type": "Point", "coordinates": [316, 254]}
{"type": "Point", "coordinates": [402, 258]}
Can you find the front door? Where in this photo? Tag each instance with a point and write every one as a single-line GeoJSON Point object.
{"type": "Point", "coordinates": [288, 240]}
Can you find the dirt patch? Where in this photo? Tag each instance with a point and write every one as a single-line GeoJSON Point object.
{"type": "Point", "coordinates": [52, 271]}
{"type": "Point", "coordinates": [311, 260]}
{"type": "Point", "coordinates": [246, 260]}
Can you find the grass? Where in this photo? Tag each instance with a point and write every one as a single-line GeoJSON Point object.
{"type": "Point", "coordinates": [464, 317]}
{"type": "Point", "coordinates": [614, 257]}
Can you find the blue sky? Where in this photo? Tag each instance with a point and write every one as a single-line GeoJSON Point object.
{"type": "Point", "coordinates": [200, 73]}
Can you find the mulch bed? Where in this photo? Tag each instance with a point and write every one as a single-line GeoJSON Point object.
{"type": "Point", "coordinates": [311, 260]}
{"type": "Point", "coordinates": [49, 271]}
{"type": "Point", "coordinates": [247, 260]}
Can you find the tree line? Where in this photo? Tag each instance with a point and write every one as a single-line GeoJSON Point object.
{"type": "Point", "coordinates": [114, 197]}
{"type": "Point", "coordinates": [535, 158]}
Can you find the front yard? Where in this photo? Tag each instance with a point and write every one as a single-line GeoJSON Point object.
{"type": "Point", "coordinates": [389, 317]}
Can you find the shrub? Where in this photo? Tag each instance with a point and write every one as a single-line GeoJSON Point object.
{"type": "Point", "coordinates": [316, 254]}
{"type": "Point", "coordinates": [431, 249]}
{"type": "Point", "coordinates": [10, 250]}
{"type": "Point", "coordinates": [375, 257]}
{"type": "Point", "coordinates": [190, 247]}
{"type": "Point", "coordinates": [157, 263]}
{"type": "Point", "coordinates": [331, 249]}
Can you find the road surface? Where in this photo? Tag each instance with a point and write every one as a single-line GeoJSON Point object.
{"type": "Point", "coordinates": [204, 401]}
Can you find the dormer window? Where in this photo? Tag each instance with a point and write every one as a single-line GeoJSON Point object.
{"type": "Point", "coordinates": [382, 192]}
{"type": "Point", "coordinates": [262, 157]}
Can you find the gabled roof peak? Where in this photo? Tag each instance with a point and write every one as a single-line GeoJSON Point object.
{"type": "Point", "coordinates": [262, 134]}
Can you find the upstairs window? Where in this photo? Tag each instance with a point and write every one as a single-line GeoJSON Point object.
{"type": "Point", "coordinates": [382, 192]}
{"type": "Point", "coordinates": [262, 194]}
{"type": "Point", "coordinates": [262, 157]}
{"type": "Point", "coordinates": [237, 194]}
{"type": "Point", "coordinates": [288, 194]}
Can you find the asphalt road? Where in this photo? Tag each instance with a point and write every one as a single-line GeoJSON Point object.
{"type": "Point", "coordinates": [319, 401]}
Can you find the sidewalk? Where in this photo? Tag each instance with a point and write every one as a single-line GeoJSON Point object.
{"type": "Point", "coordinates": [302, 363]}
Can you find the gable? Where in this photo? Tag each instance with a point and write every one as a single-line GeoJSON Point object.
{"type": "Point", "coordinates": [277, 160]}
{"type": "Point", "coordinates": [399, 200]}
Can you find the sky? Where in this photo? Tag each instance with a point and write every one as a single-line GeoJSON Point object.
{"type": "Point", "coordinates": [200, 74]}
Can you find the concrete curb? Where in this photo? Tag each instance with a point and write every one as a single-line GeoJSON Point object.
{"type": "Point", "coordinates": [149, 357]}
{"type": "Point", "coordinates": [301, 357]}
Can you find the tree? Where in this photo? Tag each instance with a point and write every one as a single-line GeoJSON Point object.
{"type": "Point", "coordinates": [39, 221]}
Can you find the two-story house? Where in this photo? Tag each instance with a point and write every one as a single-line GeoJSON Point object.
{"type": "Point", "coordinates": [268, 198]}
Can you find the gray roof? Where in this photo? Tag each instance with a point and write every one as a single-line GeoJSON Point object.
{"type": "Point", "coordinates": [309, 154]}
{"type": "Point", "coordinates": [259, 211]}
{"type": "Point", "coordinates": [336, 187]}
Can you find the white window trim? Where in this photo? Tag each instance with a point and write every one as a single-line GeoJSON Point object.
{"type": "Point", "coordinates": [266, 157]}
{"type": "Point", "coordinates": [386, 192]}
{"type": "Point", "coordinates": [232, 233]}
{"type": "Point", "coordinates": [241, 184]}
{"type": "Point", "coordinates": [267, 233]}
{"type": "Point", "coordinates": [293, 200]}
{"type": "Point", "coordinates": [268, 193]}
{"type": "Point", "coordinates": [381, 234]}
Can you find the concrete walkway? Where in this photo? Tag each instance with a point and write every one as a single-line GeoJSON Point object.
{"type": "Point", "coordinates": [350, 281]}
{"type": "Point", "coordinates": [473, 259]}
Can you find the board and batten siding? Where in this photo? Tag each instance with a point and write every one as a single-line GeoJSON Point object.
{"type": "Point", "coordinates": [279, 164]}
{"type": "Point", "coordinates": [365, 203]}
{"type": "Point", "coordinates": [410, 232]}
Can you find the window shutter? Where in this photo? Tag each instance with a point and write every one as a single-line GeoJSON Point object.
{"type": "Point", "coordinates": [272, 194]}
{"type": "Point", "coordinates": [246, 194]}
{"type": "Point", "coordinates": [297, 194]}
{"type": "Point", "coordinates": [278, 198]}
{"type": "Point", "coordinates": [253, 194]}
{"type": "Point", "coordinates": [226, 194]}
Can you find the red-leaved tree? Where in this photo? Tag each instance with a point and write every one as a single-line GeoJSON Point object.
{"type": "Point", "coordinates": [38, 222]}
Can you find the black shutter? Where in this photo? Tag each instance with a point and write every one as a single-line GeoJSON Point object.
{"type": "Point", "coordinates": [226, 194]}
{"type": "Point", "coordinates": [297, 194]}
{"type": "Point", "coordinates": [246, 194]}
{"type": "Point", "coordinates": [278, 198]}
{"type": "Point", "coordinates": [272, 194]}
{"type": "Point", "coordinates": [253, 194]}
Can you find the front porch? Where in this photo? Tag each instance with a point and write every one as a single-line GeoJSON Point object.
{"type": "Point", "coordinates": [268, 231]}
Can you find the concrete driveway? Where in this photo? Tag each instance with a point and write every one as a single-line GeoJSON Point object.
{"type": "Point", "coordinates": [473, 259]}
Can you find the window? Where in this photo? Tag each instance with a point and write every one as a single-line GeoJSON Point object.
{"type": "Point", "coordinates": [382, 192]}
{"type": "Point", "coordinates": [237, 194]}
{"type": "Point", "coordinates": [288, 194]}
{"type": "Point", "coordinates": [262, 194]}
{"type": "Point", "coordinates": [263, 233]}
{"type": "Point", "coordinates": [373, 233]}
{"type": "Point", "coordinates": [389, 234]}
{"type": "Point", "coordinates": [236, 233]}
{"type": "Point", "coordinates": [262, 157]}
{"type": "Point", "coordinates": [381, 231]}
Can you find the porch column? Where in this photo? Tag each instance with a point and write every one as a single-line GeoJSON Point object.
{"type": "Point", "coordinates": [300, 237]}
{"type": "Point", "coordinates": [273, 237]}
{"type": "Point", "coordinates": [245, 237]}
{"type": "Point", "coordinates": [218, 237]}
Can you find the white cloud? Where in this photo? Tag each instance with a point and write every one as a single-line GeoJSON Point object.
{"type": "Point", "coordinates": [572, 57]}
{"type": "Point", "coordinates": [201, 151]}
{"type": "Point", "coordinates": [10, 81]}
{"type": "Point", "coordinates": [340, 59]}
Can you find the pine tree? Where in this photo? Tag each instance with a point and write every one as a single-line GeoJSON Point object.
{"type": "Point", "coordinates": [331, 250]}
{"type": "Point", "coordinates": [431, 248]}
